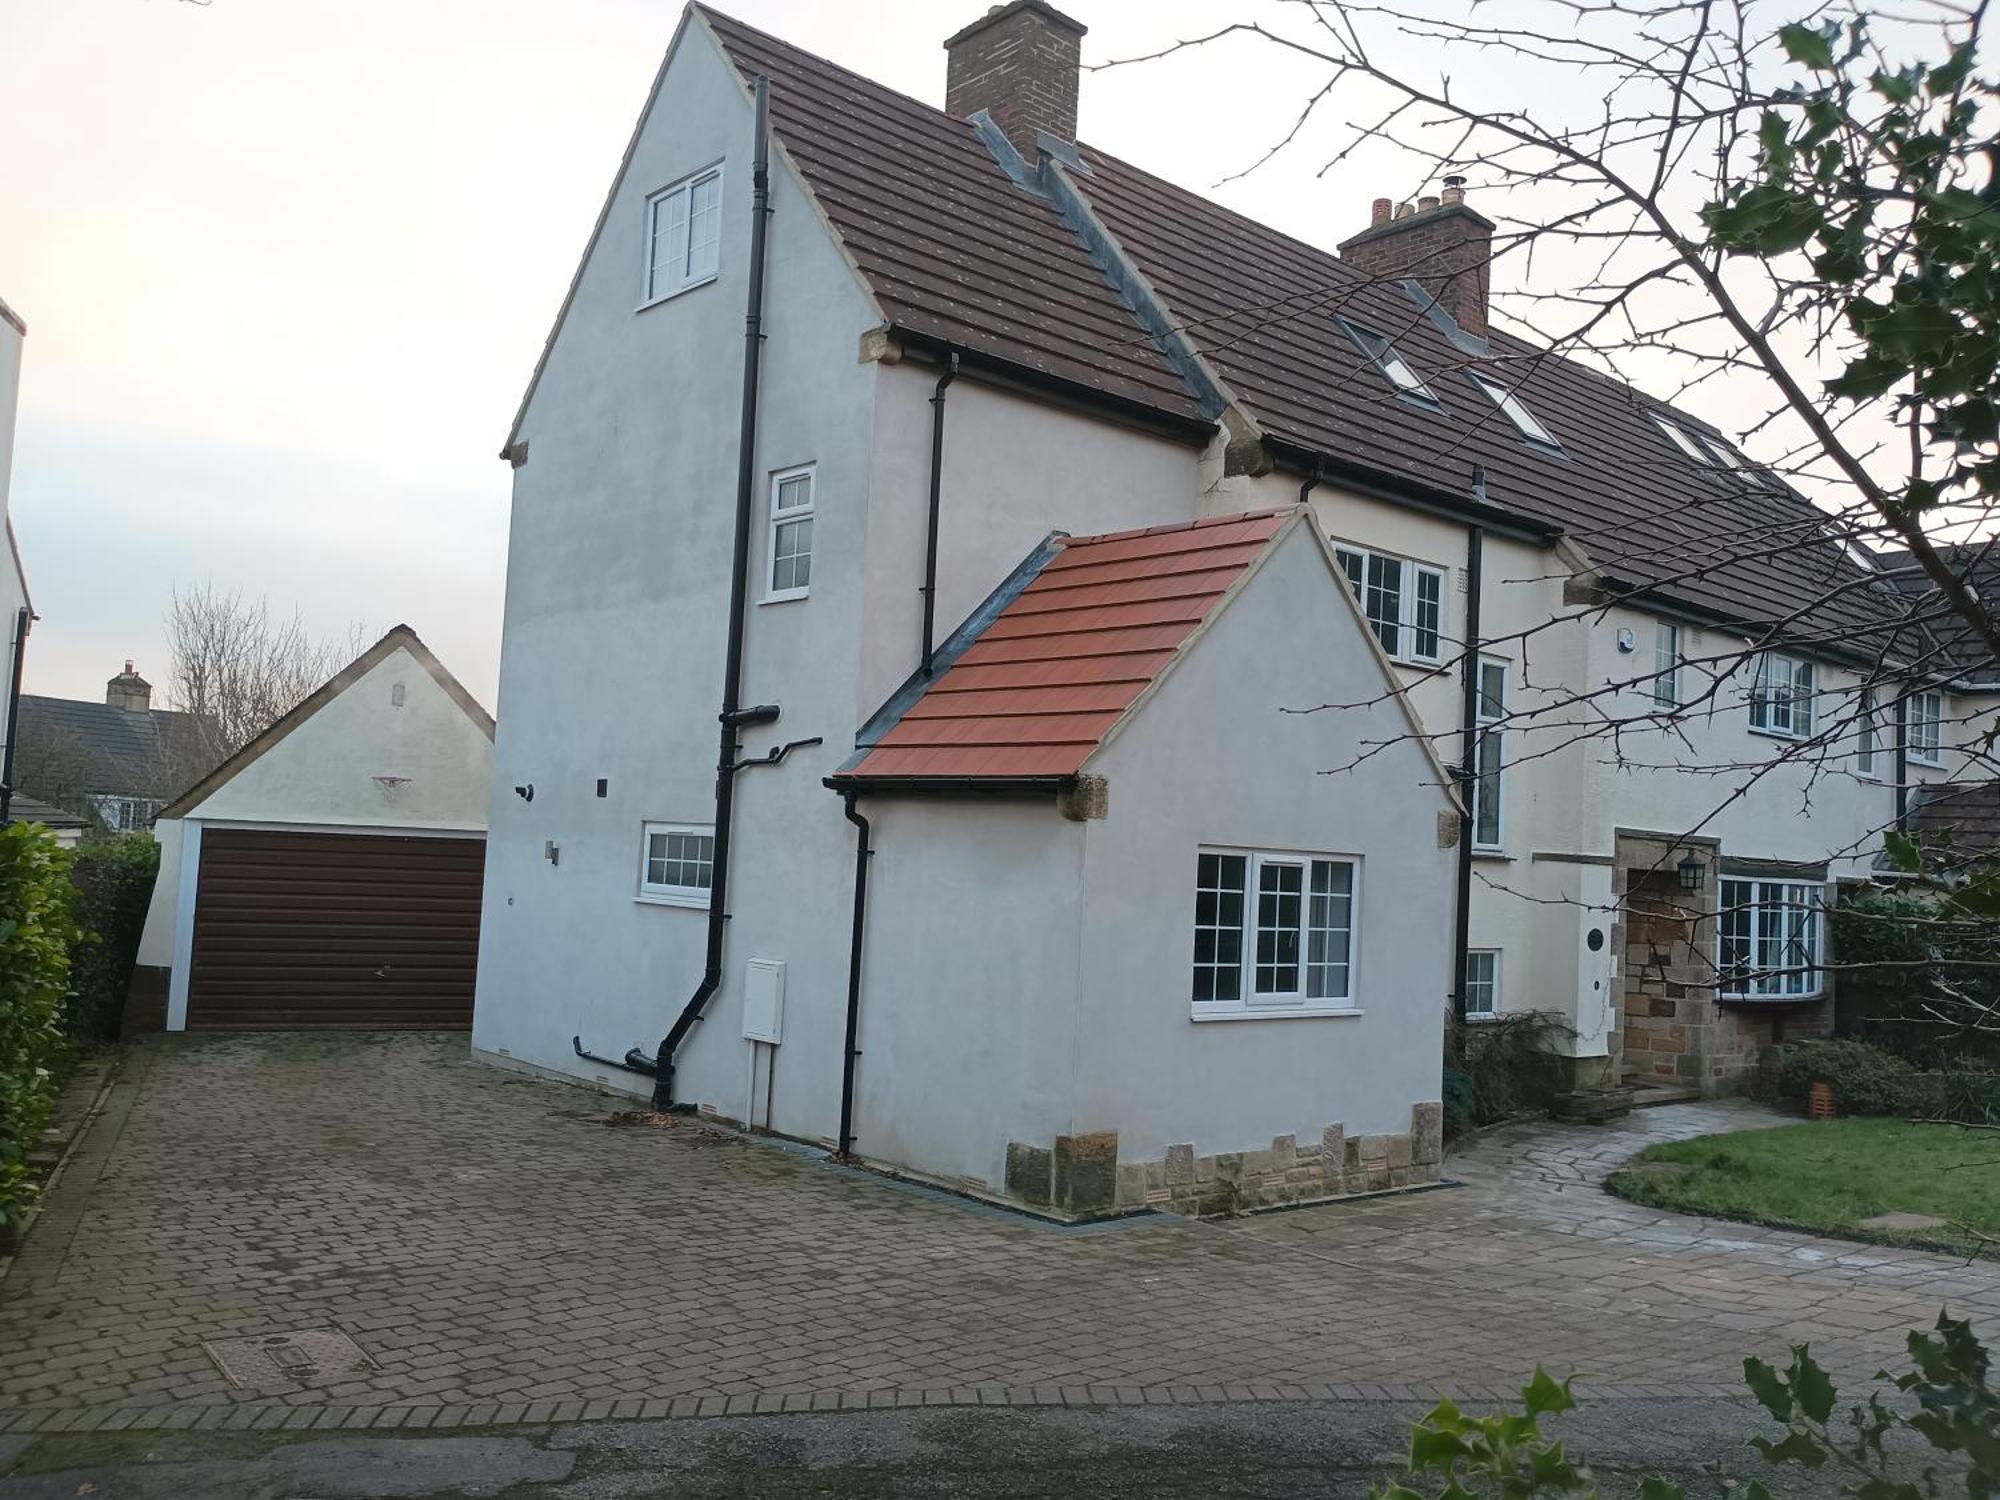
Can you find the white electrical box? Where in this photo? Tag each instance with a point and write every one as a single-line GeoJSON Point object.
{"type": "Point", "coordinates": [764, 1000]}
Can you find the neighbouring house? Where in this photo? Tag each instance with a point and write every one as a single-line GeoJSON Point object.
{"type": "Point", "coordinates": [68, 827]}
{"type": "Point", "coordinates": [115, 762]}
{"type": "Point", "coordinates": [17, 613]}
{"type": "Point", "coordinates": [328, 873]}
{"type": "Point", "coordinates": [980, 903]}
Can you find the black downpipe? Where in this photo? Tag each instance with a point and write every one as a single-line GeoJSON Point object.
{"type": "Point", "coordinates": [931, 538]}
{"type": "Point", "coordinates": [1461, 938]}
{"type": "Point", "coordinates": [731, 716]}
{"type": "Point", "coordinates": [21, 622]}
{"type": "Point", "coordinates": [863, 852]}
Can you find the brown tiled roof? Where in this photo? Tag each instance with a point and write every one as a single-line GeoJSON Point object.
{"type": "Point", "coordinates": [954, 251]}
{"type": "Point", "coordinates": [1958, 648]}
{"type": "Point", "coordinates": [950, 247]}
{"type": "Point", "coordinates": [1958, 820]}
{"type": "Point", "coordinates": [1033, 695]}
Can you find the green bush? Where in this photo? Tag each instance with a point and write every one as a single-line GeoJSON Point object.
{"type": "Point", "coordinates": [114, 881]}
{"type": "Point", "coordinates": [1503, 1068]}
{"type": "Point", "coordinates": [1866, 1079]}
{"type": "Point", "coordinates": [37, 933]}
{"type": "Point", "coordinates": [1920, 970]}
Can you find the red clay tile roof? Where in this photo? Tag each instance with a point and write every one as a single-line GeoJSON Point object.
{"type": "Point", "coordinates": [1036, 692]}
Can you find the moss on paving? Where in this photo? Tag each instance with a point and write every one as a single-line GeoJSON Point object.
{"type": "Point", "coordinates": [1829, 1176]}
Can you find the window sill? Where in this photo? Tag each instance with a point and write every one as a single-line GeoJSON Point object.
{"type": "Point", "coordinates": [1791, 737]}
{"type": "Point", "coordinates": [786, 596]}
{"type": "Point", "coordinates": [1926, 765]}
{"type": "Point", "coordinates": [1496, 856]}
{"type": "Point", "coordinates": [690, 903]}
{"type": "Point", "coordinates": [1816, 995]}
{"type": "Point", "coordinates": [1482, 1017]}
{"type": "Point", "coordinates": [707, 280]}
{"type": "Point", "coordinates": [1276, 1013]}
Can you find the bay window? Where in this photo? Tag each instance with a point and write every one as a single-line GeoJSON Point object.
{"type": "Point", "coordinates": [1770, 934]}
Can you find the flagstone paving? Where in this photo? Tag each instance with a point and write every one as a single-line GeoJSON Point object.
{"type": "Point", "coordinates": [499, 1254]}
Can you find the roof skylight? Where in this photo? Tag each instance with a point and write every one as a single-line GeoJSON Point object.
{"type": "Point", "coordinates": [1713, 453]}
{"type": "Point", "coordinates": [1517, 413]}
{"type": "Point", "coordinates": [1378, 348]}
{"type": "Point", "coordinates": [1684, 440]}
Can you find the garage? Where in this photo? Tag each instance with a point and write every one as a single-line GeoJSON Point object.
{"type": "Point", "coordinates": [335, 929]}
{"type": "Point", "coordinates": [328, 873]}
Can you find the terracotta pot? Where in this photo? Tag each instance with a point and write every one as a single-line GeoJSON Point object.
{"type": "Point", "coordinates": [1824, 1105]}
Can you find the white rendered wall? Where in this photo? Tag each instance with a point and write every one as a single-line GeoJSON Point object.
{"type": "Point", "coordinates": [13, 587]}
{"type": "Point", "coordinates": [1212, 759]}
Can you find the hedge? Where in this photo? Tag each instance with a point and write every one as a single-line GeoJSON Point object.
{"type": "Point", "coordinates": [1870, 1080]}
{"type": "Point", "coordinates": [114, 881]}
{"type": "Point", "coordinates": [37, 932]}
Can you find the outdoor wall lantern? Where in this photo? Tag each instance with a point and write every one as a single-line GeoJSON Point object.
{"type": "Point", "coordinates": [1692, 873]}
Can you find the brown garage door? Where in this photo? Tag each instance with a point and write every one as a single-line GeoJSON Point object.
{"type": "Point", "coordinates": [325, 929]}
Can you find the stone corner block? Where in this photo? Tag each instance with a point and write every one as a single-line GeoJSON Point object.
{"type": "Point", "coordinates": [1029, 1169]}
{"type": "Point", "coordinates": [1427, 1131]}
{"type": "Point", "coordinates": [1086, 1169]}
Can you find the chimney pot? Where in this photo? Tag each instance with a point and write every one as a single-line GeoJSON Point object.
{"type": "Point", "coordinates": [1404, 210]}
{"type": "Point", "coordinates": [1454, 189]}
{"type": "Point", "coordinates": [1021, 63]}
{"type": "Point", "coordinates": [1445, 253]}
{"type": "Point", "coordinates": [1379, 213]}
{"type": "Point", "coordinates": [1425, 205]}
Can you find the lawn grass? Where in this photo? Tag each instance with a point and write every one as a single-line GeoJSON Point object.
{"type": "Point", "coordinates": [1830, 1175]}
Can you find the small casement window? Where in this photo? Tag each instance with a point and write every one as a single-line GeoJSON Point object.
{"type": "Point", "coordinates": [1482, 984]}
{"type": "Point", "coordinates": [1517, 413]}
{"type": "Point", "coordinates": [1273, 932]}
{"type": "Point", "coordinates": [1866, 735]}
{"type": "Point", "coordinates": [1395, 369]}
{"type": "Point", "coordinates": [1489, 755]}
{"type": "Point", "coordinates": [791, 534]}
{"type": "Point", "coordinates": [1770, 935]}
{"type": "Point", "coordinates": [683, 235]}
{"type": "Point", "coordinates": [1925, 720]}
{"type": "Point", "coordinates": [1404, 602]}
{"type": "Point", "coordinates": [677, 864]}
{"type": "Point", "coordinates": [1666, 664]}
{"type": "Point", "coordinates": [1781, 698]}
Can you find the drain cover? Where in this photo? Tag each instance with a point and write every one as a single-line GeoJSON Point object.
{"type": "Point", "coordinates": [275, 1363]}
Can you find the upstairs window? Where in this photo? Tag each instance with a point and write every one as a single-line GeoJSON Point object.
{"type": "Point", "coordinates": [1404, 602]}
{"type": "Point", "coordinates": [1923, 724]}
{"type": "Point", "coordinates": [1865, 736]}
{"type": "Point", "coordinates": [1272, 932]}
{"type": "Point", "coordinates": [683, 235]}
{"type": "Point", "coordinates": [1482, 984]}
{"type": "Point", "coordinates": [1770, 938]}
{"type": "Point", "coordinates": [1489, 755]}
{"type": "Point", "coordinates": [1392, 365]}
{"type": "Point", "coordinates": [1781, 699]}
{"type": "Point", "coordinates": [1666, 664]}
{"type": "Point", "coordinates": [1517, 413]}
{"type": "Point", "coordinates": [676, 864]}
{"type": "Point", "coordinates": [791, 534]}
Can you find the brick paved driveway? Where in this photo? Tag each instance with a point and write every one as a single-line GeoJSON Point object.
{"type": "Point", "coordinates": [503, 1255]}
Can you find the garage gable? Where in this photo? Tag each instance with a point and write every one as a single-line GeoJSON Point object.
{"type": "Point", "coordinates": [393, 740]}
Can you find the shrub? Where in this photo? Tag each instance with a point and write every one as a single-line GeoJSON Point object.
{"type": "Point", "coordinates": [114, 880]}
{"type": "Point", "coordinates": [37, 932]}
{"type": "Point", "coordinates": [1866, 1079]}
{"type": "Point", "coordinates": [1922, 970]}
{"type": "Point", "coordinates": [1508, 1066]}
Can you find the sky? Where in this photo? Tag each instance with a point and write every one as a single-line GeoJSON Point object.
{"type": "Point", "coordinates": [286, 266]}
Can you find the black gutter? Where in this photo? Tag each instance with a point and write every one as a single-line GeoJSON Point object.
{"type": "Point", "coordinates": [1461, 938]}
{"type": "Point", "coordinates": [931, 537]}
{"type": "Point", "coordinates": [733, 716]}
{"type": "Point", "coordinates": [952, 786]}
{"type": "Point", "coordinates": [1412, 494]}
{"type": "Point", "coordinates": [22, 620]}
{"type": "Point", "coordinates": [862, 854]}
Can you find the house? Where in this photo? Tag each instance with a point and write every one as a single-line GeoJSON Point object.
{"type": "Point", "coordinates": [977, 342]}
{"type": "Point", "coordinates": [115, 762]}
{"type": "Point", "coordinates": [68, 827]}
{"type": "Point", "coordinates": [16, 612]}
{"type": "Point", "coordinates": [328, 873]}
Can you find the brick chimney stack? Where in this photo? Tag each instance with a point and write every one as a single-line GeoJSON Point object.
{"type": "Point", "coordinates": [1441, 242]}
{"type": "Point", "coordinates": [128, 690]}
{"type": "Point", "coordinates": [1021, 63]}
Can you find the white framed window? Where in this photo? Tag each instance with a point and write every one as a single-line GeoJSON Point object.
{"type": "Point", "coordinates": [1395, 369]}
{"type": "Point", "coordinates": [1781, 697]}
{"type": "Point", "coordinates": [1666, 664]}
{"type": "Point", "coordinates": [791, 534]}
{"type": "Point", "coordinates": [127, 814]}
{"type": "Point", "coordinates": [1403, 600]}
{"type": "Point", "coordinates": [1685, 441]}
{"type": "Point", "coordinates": [683, 235]}
{"type": "Point", "coordinates": [1923, 725]}
{"type": "Point", "coordinates": [1482, 984]}
{"type": "Point", "coordinates": [1489, 755]}
{"type": "Point", "coordinates": [1273, 933]}
{"type": "Point", "coordinates": [676, 864]}
{"type": "Point", "coordinates": [1769, 936]}
{"type": "Point", "coordinates": [1517, 413]}
{"type": "Point", "coordinates": [1866, 736]}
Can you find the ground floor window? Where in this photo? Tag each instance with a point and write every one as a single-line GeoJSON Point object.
{"type": "Point", "coordinates": [676, 864]}
{"type": "Point", "coordinates": [1273, 931]}
{"type": "Point", "coordinates": [1771, 939]}
{"type": "Point", "coordinates": [1482, 984]}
